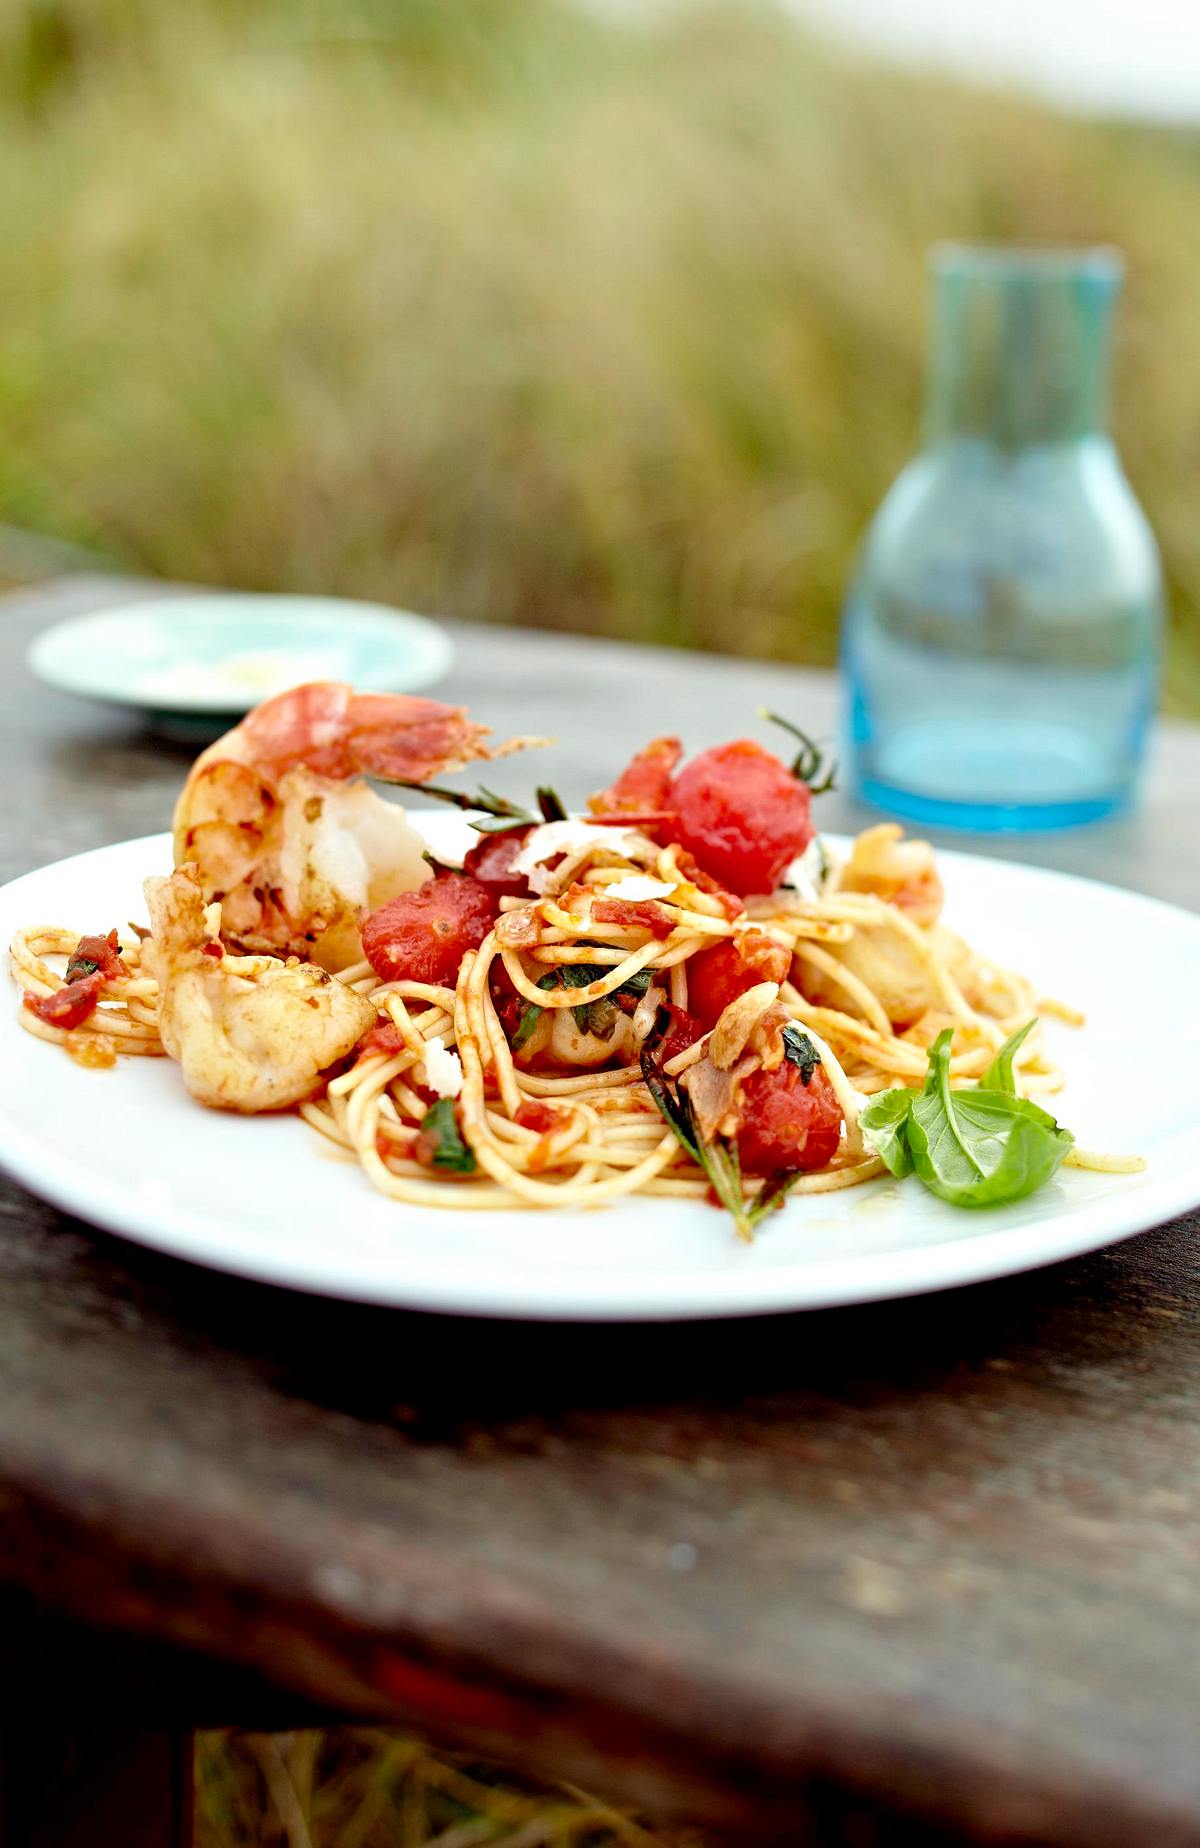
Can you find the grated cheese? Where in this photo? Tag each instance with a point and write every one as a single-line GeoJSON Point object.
{"type": "Point", "coordinates": [573, 839]}
{"type": "Point", "coordinates": [808, 873]}
{"type": "Point", "coordinates": [443, 1069]}
{"type": "Point", "coordinates": [638, 885]}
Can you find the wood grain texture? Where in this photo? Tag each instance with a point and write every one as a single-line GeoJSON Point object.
{"type": "Point", "coordinates": [929, 1566]}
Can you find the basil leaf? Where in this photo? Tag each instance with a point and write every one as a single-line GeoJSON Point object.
{"type": "Point", "coordinates": [530, 1015]}
{"type": "Point", "coordinates": [719, 1158]}
{"type": "Point", "coordinates": [980, 1147]}
{"type": "Point", "coordinates": [800, 1050]}
{"type": "Point", "coordinates": [884, 1124]}
{"type": "Point", "coordinates": [551, 804]}
{"type": "Point", "coordinates": [440, 1122]}
{"type": "Point", "coordinates": [579, 975]}
{"type": "Point", "coordinates": [671, 1102]}
{"type": "Point", "coordinates": [599, 1017]}
{"type": "Point", "coordinates": [999, 1074]}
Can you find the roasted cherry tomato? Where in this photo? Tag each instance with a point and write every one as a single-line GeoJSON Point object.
{"type": "Point", "coordinates": [490, 861]}
{"type": "Point", "coordinates": [510, 1006]}
{"type": "Point", "coordinates": [742, 813]}
{"type": "Point", "coordinates": [694, 873]}
{"type": "Point", "coordinates": [384, 1038]}
{"type": "Point", "coordinates": [718, 976]}
{"type": "Point", "coordinates": [787, 1124]}
{"type": "Point", "coordinates": [70, 1006]}
{"type": "Point", "coordinates": [683, 1032]}
{"type": "Point", "coordinates": [422, 936]}
{"type": "Point", "coordinates": [644, 783]}
{"type": "Point", "coordinates": [92, 953]}
{"type": "Point", "coordinates": [542, 1118]}
{"type": "Point", "coordinates": [634, 914]}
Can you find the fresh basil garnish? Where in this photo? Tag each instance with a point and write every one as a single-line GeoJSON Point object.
{"type": "Point", "coordinates": [719, 1157]}
{"type": "Point", "coordinates": [884, 1124]}
{"type": "Point", "coordinates": [551, 804]}
{"type": "Point", "coordinates": [500, 814]}
{"type": "Point", "coordinates": [597, 1017]}
{"type": "Point", "coordinates": [999, 1074]}
{"type": "Point", "coordinates": [982, 1146]}
{"type": "Point", "coordinates": [440, 1124]}
{"type": "Point", "coordinates": [799, 1049]}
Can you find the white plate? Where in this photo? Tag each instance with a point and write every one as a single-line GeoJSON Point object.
{"type": "Point", "coordinates": [128, 1150]}
{"type": "Point", "coordinates": [223, 652]}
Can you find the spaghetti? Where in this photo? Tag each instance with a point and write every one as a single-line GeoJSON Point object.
{"type": "Point", "coordinates": [608, 1022]}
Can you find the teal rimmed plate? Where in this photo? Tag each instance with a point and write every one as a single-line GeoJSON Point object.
{"type": "Point", "coordinates": [222, 653]}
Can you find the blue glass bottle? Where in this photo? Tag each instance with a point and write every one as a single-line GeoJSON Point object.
{"type": "Point", "coordinates": [1001, 638]}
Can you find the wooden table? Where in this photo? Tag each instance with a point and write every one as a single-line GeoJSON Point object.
{"type": "Point", "coordinates": [922, 1571]}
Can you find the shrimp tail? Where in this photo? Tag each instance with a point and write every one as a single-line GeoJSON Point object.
{"type": "Point", "coordinates": [335, 732]}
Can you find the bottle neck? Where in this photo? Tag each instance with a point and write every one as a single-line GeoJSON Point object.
{"type": "Point", "coordinates": [1020, 346]}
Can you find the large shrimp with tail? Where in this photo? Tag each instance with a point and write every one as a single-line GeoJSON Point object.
{"type": "Point", "coordinates": [286, 834]}
{"type": "Point", "coordinates": [251, 1033]}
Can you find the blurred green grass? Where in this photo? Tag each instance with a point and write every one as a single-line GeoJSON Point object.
{"type": "Point", "coordinates": [513, 310]}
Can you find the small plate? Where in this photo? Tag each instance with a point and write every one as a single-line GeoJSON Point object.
{"type": "Point", "coordinates": [222, 653]}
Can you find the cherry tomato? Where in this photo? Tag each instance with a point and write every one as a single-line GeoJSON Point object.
{"type": "Point", "coordinates": [644, 783]}
{"type": "Point", "coordinates": [490, 861]}
{"type": "Point", "coordinates": [510, 1006]}
{"type": "Point", "coordinates": [683, 1032]}
{"type": "Point", "coordinates": [422, 936]}
{"type": "Point", "coordinates": [718, 976]}
{"type": "Point", "coordinates": [70, 1006]}
{"type": "Point", "coordinates": [742, 813]}
{"type": "Point", "coordinates": [634, 914]}
{"type": "Point", "coordinates": [102, 953]}
{"type": "Point", "coordinates": [786, 1123]}
{"type": "Point", "coordinates": [540, 1117]}
{"type": "Point", "coordinates": [695, 874]}
{"type": "Point", "coordinates": [384, 1038]}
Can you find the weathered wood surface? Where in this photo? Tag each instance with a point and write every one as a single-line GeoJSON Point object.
{"type": "Point", "coordinates": [924, 1566]}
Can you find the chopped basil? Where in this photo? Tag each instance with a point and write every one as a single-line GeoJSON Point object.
{"type": "Point", "coordinates": [718, 1157]}
{"type": "Point", "coordinates": [800, 1050]}
{"type": "Point", "coordinates": [440, 1123]}
{"type": "Point", "coordinates": [982, 1146]}
{"type": "Point", "coordinates": [551, 804]}
{"type": "Point", "coordinates": [599, 1017]}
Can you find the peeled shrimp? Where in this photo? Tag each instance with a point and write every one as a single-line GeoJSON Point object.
{"type": "Point", "coordinates": [250, 1032]}
{"type": "Point", "coordinates": [901, 872]}
{"type": "Point", "coordinates": [883, 957]}
{"type": "Point", "coordinates": [287, 836]}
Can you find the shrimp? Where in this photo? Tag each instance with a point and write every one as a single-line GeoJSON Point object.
{"type": "Point", "coordinates": [901, 872]}
{"type": "Point", "coordinates": [883, 957]}
{"type": "Point", "coordinates": [289, 838]}
{"type": "Point", "coordinates": [251, 1033]}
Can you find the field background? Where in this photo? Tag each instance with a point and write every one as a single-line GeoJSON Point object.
{"type": "Point", "coordinates": [603, 319]}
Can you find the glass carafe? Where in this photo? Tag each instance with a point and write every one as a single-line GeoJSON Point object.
{"type": "Point", "coordinates": [1001, 638]}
